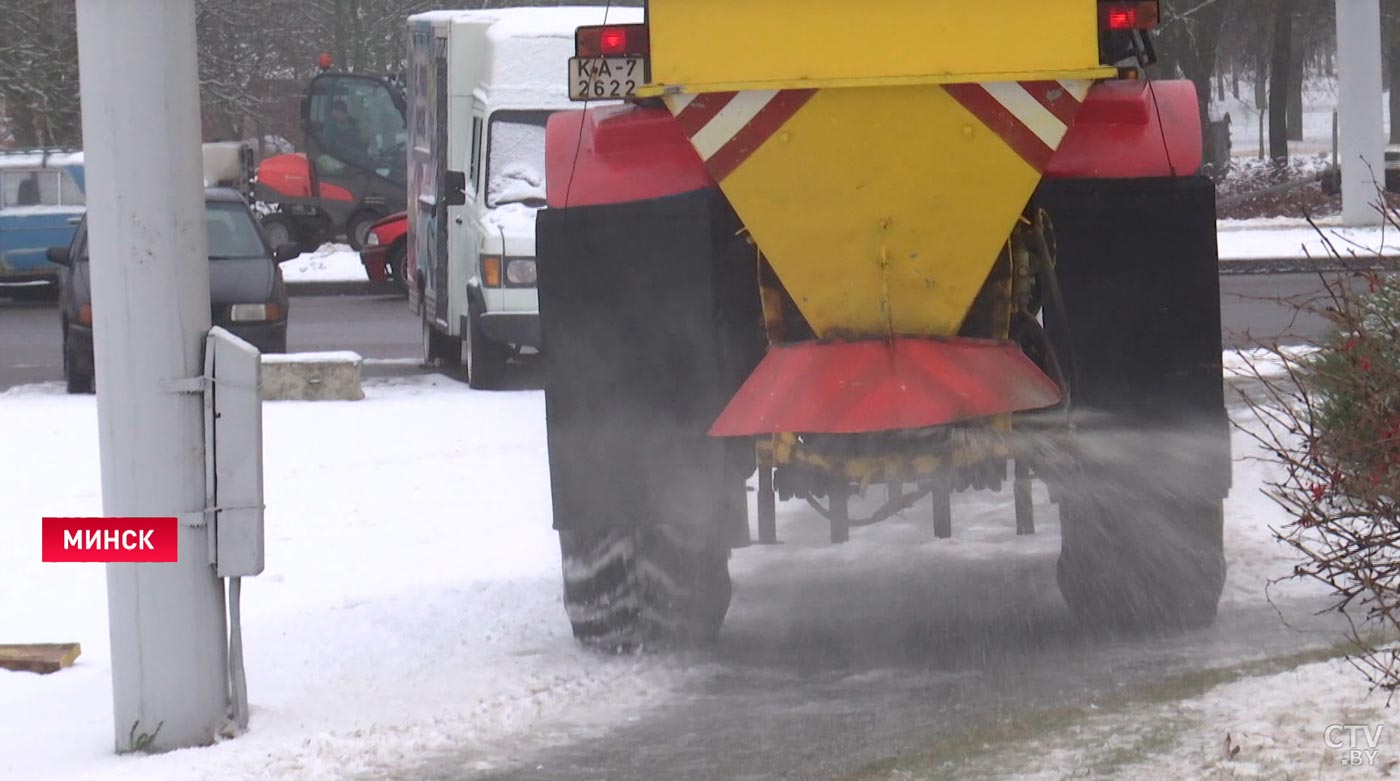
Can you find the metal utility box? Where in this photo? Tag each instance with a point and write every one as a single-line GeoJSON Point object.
{"type": "Point", "coordinates": [233, 419]}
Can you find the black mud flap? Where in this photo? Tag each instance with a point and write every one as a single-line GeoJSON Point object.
{"type": "Point", "coordinates": [1138, 269]}
{"type": "Point", "coordinates": [650, 321]}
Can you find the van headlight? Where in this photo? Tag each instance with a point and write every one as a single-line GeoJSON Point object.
{"type": "Point", "coordinates": [520, 271]}
{"type": "Point", "coordinates": [254, 313]}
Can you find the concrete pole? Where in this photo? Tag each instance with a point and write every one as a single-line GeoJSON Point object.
{"type": "Point", "coordinates": [1362, 122]}
{"type": "Point", "coordinates": [150, 290]}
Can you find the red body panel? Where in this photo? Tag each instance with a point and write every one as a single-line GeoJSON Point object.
{"type": "Point", "coordinates": [908, 383]}
{"type": "Point", "coordinates": [391, 231]}
{"type": "Point", "coordinates": [1118, 135]}
{"type": "Point", "coordinates": [290, 175]}
{"type": "Point", "coordinates": [619, 154]}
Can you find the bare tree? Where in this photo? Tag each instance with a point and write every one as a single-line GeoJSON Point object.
{"type": "Point", "coordinates": [1279, 69]}
{"type": "Point", "coordinates": [39, 72]}
{"type": "Point", "coordinates": [1188, 42]}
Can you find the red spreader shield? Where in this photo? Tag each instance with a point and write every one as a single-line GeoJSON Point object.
{"type": "Point", "coordinates": [906, 383]}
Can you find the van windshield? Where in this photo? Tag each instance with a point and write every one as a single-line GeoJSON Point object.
{"type": "Point", "coordinates": [515, 159]}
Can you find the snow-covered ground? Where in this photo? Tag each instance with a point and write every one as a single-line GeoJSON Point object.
{"type": "Point", "coordinates": [1303, 723]}
{"type": "Point", "coordinates": [411, 603]}
{"type": "Point", "coordinates": [330, 263]}
{"type": "Point", "coordinates": [1319, 101]}
{"type": "Point", "coordinates": [1276, 238]}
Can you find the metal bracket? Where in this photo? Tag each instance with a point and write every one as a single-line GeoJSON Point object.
{"type": "Point", "coordinates": [201, 518]}
{"type": "Point", "coordinates": [187, 385]}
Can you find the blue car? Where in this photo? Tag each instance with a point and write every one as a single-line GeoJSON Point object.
{"type": "Point", "coordinates": [41, 203]}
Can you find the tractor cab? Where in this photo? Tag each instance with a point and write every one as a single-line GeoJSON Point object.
{"type": "Point", "coordinates": [353, 172]}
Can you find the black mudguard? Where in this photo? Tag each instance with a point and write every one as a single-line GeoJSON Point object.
{"type": "Point", "coordinates": [1139, 272]}
{"type": "Point", "coordinates": [650, 321]}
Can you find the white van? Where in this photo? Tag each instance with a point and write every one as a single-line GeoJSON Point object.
{"type": "Point", "coordinates": [481, 86]}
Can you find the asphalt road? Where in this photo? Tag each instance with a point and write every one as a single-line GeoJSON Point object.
{"type": "Point", "coordinates": [382, 329]}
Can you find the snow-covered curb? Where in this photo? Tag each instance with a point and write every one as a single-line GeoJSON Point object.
{"type": "Point", "coordinates": [1276, 239]}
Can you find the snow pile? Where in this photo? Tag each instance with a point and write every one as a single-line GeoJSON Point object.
{"type": "Point", "coordinates": [410, 604]}
{"type": "Point", "coordinates": [330, 263]}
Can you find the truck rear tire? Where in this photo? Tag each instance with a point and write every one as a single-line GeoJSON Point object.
{"type": "Point", "coordinates": [1133, 311]}
{"type": "Point", "coordinates": [650, 322]}
{"type": "Point", "coordinates": [1140, 562]}
{"type": "Point", "coordinates": [662, 586]}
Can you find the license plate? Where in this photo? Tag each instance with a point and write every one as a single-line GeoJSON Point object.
{"type": "Point", "coordinates": [605, 78]}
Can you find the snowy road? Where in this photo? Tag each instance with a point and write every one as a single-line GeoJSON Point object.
{"type": "Point", "coordinates": [827, 697]}
{"type": "Point", "coordinates": [833, 658]}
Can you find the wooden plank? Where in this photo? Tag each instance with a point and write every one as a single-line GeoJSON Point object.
{"type": "Point", "coordinates": [40, 658]}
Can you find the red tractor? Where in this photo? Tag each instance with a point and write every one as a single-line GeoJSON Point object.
{"type": "Point", "coordinates": [353, 171]}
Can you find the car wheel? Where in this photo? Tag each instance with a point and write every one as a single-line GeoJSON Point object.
{"type": "Point", "coordinates": [76, 381]}
{"type": "Point", "coordinates": [438, 349]}
{"type": "Point", "coordinates": [397, 258]}
{"type": "Point", "coordinates": [278, 345]}
{"type": "Point", "coordinates": [280, 229]}
{"type": "Point", "coordinates": [483, 359]}
{"type": "Point", "coordinates": [357, 229]}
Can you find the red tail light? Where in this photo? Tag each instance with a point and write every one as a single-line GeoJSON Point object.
{"type": "Point", "coordinates": [613, 40]}
{"type": "Point", "coordinates": [1141, 15]}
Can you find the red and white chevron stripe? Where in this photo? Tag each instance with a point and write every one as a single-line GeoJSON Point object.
{"type": "Point", "coordinates": [727, 127]}
{"type": "Point", "coordinates": [1032, 117]}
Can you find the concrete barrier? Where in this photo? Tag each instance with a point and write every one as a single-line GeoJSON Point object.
{"type": "Point", "coordinates": [328, 376]}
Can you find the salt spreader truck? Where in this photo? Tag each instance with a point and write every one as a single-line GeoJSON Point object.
{"type": "Point", "coordinates": [920, 243]}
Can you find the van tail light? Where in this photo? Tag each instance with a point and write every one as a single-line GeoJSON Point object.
{"type": "Point", "coordinates": [85, 314]}
{"type": "Point", "coordinates": [613, 40]}
{"type": "Point", "coordinates": [1123, 16]}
